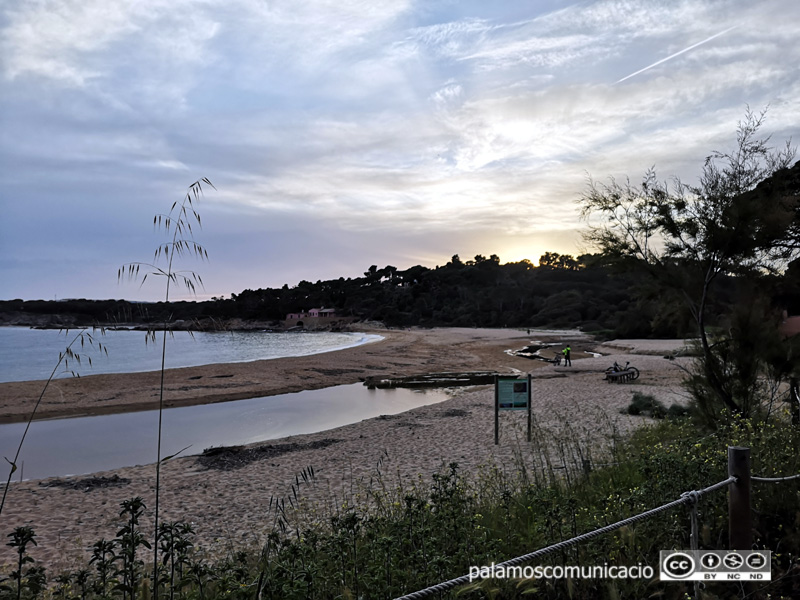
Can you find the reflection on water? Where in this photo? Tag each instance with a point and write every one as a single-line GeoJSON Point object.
{"type": "Point", "coordinates": [88, 444]}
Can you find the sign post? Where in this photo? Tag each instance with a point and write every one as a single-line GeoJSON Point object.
{"type": "Point", "coordinates": [530, 408]}
{"type": "Point", "coordinates": [496, 410]}
{"type": "Point", "coordinates": [511, 393]}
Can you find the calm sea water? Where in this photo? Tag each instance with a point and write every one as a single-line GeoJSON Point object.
{"type": "Point", "coordinates": [58, 447]}
{"type": "Point", "coordinates": [31, 354]}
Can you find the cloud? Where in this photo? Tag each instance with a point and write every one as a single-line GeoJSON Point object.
{"type": "Point", "coordinates": [676, 54]}
{"type": "Point", "coordinates": [356, 122]}
{"type": "Point", "coordinates": [73, 42]}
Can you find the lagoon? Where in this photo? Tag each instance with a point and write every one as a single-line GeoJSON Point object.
{"type": "Point", "coordinates": [59, 447]}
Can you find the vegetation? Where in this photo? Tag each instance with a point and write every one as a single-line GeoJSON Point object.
{"type": "Point", "coordinates": [561, 292]}
{"type": "Point", "coordinates": [647, 405]}
{"type": "Point", "coordinates": [738, 225]}
{"type": "Point", "coordinates": [395, 540]}
{"type": "Point", "coordinates": [177, 225]}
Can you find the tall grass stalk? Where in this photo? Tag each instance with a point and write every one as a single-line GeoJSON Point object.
{"type": "Point", "coordinates": [178, 222]}
{"type": "Point", "coordinates": [82, 337]}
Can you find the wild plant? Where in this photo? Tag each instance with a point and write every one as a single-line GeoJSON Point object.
{"type": "Point", "coordinates": [31, 579]}
{"type": "Point", "coordinates": [35, 583]}
{"type": "Point", "coordinates": [347, 528]}
{"type": "Point", "coordinates": [63, 587]}
{"type": "Point", "coordinates": [81, 578]}
{"type": "Point", "coordinates": [282, 523]}
{"type": "Point", "coordinates": [103, 559]}
{"type": "Point", "coordinates": [175, 539]}
{"type": "Point", "coordinates": [234, 577]}
{"type": "Point", "coordinates": [177, 225]}
{"type": "Point", "coordinates": [82, 338]}
{"type": "Point", "coordinates": [130, 538]}
{"type": "Point", "coordinates": [199, 574]}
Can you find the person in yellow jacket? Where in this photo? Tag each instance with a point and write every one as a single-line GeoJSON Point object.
{"type": "Point", "coordinates": [567, 360]}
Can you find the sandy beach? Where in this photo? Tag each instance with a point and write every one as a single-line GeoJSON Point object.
{"type": "Point", "coordinates": [401, 352]}
{"type": "Point", "coordinates": [228, 499]}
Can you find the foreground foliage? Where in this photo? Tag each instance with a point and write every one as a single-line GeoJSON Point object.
{"type": "Point", "coordinates": [396, 540]}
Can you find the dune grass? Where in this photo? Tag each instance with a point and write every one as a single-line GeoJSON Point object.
{"type": "Point", "coordinates": [178, 225]}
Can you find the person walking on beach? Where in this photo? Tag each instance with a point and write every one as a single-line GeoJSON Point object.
{"type": "Point", "coordinates": [567, 361]}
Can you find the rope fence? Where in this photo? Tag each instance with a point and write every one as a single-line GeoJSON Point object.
{"type": "Point", "coordinates": [739, 527]}
{"type": "Point", "coordinates": [775, 479]}
{"type": "Point", "coordinates": [690, 497]}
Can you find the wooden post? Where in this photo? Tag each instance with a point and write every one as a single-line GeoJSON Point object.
{"type": "Point", "coordinates": [529, 408]}
{"type": "Point", "coordinates": [496, 411]}
{"type": "Point", "coordinates": [740, 519]}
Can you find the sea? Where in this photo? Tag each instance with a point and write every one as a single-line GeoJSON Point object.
{"type": "Point", "coordinates": [33, 354]}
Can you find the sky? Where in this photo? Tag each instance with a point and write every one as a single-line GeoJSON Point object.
{"type": "Point", "coordinates": [341, 134]}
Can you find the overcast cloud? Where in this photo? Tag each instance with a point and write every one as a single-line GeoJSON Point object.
{"type": "Point", "coordinates": [341, 134]}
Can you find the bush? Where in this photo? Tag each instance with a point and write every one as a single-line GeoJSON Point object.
{"type": "Point", "coordinates": [645, 405]}
{"type": "Point", "coordinates": [676, 411]}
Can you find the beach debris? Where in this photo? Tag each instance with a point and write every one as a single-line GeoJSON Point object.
{"type": "Point", "coordinates": [427, 380]}
{"type": "Point", "coordinates": [411, 424]}
{"type": "Point", "coordinates": [332, 372]}
{"type": "Point", "coordinates": [228, 458]}
{"type": "Point", "coordinates": [455, 412]}
{"type": "Point", "coordinates": [87, 484]}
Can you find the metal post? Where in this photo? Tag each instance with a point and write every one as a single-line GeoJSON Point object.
{"type": "Point", "coordinates": [496, 411]}
{"type": "Point", "coordinates": [529, 408]}
{"type": "Point", "coordinates": [740, 518]}
{"type": "Point", "coordinates": [794, 400]}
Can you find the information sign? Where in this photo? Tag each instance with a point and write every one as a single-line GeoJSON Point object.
{"type": "Point", "coordinates": [511, 393]}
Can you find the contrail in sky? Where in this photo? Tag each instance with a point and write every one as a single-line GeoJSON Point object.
{"type": "Point", "coordinates": [671, 56]}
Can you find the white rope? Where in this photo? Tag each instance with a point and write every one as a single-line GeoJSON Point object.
{"type": "Point", "coordinates": [776, 479]}
{"type": "Point", "coordinates": [685, 498]}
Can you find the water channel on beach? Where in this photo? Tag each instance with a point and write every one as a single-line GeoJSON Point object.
{"type": "Point", "coordinates": [58, 447]}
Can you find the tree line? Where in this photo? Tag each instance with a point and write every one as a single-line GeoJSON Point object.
{"type": "Point", "coordinates": [589, 292]}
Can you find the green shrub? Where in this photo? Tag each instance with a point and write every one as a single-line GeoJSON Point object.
{"type": "Point", "coordinates": [676, 411]}
{"type": "Point", "coordinates": [646, 406]}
